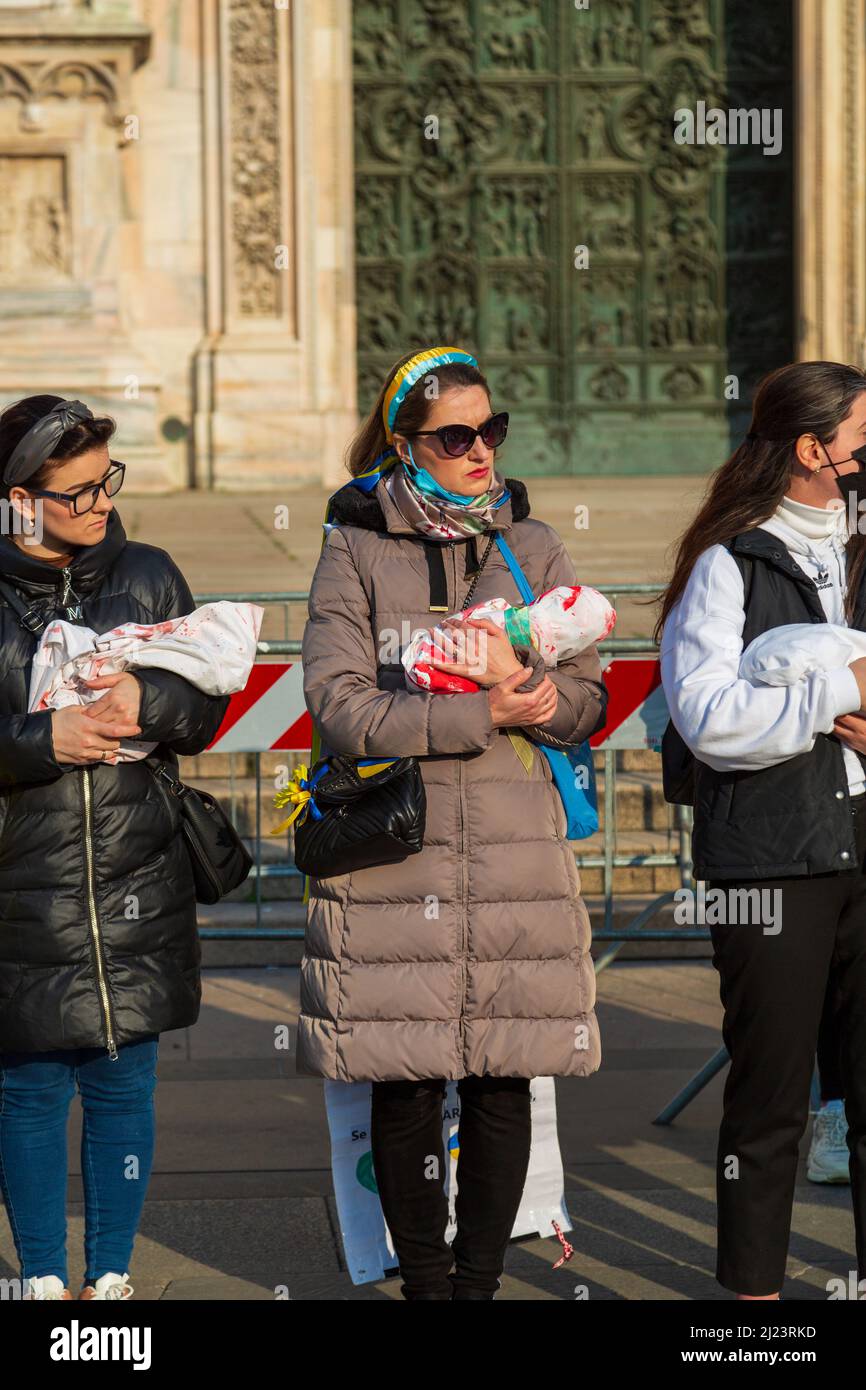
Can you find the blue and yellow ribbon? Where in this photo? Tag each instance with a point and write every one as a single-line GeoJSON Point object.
{"type": "Point", "coordinates": [410, 372]}
{"type": "Point", "coordinates": [298, 792]}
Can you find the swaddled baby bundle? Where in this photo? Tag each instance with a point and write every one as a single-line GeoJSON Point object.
{"type": "Point", "coordinates": [785, 655]}
{"type": "Point", "coordinates": [559, 624]}
{"type": "Point", "coordinates": [213, 647]}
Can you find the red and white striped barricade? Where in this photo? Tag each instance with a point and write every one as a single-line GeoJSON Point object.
{"type": "Point", "coordinates": [637, 710]}
{"type": "Point", "coordinates": [270, 715]}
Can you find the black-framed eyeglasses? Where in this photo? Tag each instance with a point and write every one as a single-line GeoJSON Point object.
{"type": "Point", "coordinates": [85, 499]}
{"type": "Point", "coordinates": [457, 440]}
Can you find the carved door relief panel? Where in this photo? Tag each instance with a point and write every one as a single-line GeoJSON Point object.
{"type": "Point", "coordinates": [34, 245]}
{"type": "Point", "coordinates": [494, 138]}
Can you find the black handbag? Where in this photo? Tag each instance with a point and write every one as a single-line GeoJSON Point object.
{"type": "Point", "coordinates": [365, 811]}
{"type": "Point", "coordinates": [220, 859]}
{"type": "Point", "coordinates": [355, 818]}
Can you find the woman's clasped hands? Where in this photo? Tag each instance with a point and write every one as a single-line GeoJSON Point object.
{"type": "Point", "coordinates": [92, 733]}
{"type": "Point", "coordinates": [488, 658]}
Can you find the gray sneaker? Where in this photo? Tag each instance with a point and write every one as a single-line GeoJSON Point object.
{"type": "Point", "coordinates": [828, 1151]}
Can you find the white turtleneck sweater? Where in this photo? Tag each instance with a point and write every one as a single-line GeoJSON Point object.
{"type": "Point", "coordinates": [727, 722]}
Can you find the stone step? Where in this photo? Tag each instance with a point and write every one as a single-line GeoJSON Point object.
{"type": "Point", "coordinates": [204, 766]}
{"type": "Point", "coordinates": [639, 760]}
{"type": "Point", "coordinates": [238, 800]}
{"type": "Point", "coordinates": [640, 802]}
{"type": "Point", "coordinates": [632, 878]}
{"type": "Point", "coordinates": [239, 765]}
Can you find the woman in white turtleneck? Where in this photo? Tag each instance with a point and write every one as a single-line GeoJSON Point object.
{"type": "Point", "coordinates": [702, 646]}
{"type": "Point", "coordinates": [778, 790]}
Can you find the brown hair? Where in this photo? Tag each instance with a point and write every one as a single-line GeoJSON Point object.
{"type": "Point", "coordinates": [801, 398]}
{"type": "Point", "coordinates": [370, 441]}
{"type": "Point", "coordinates": [17, 419]}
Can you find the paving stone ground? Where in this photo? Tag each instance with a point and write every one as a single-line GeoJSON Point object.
{"type": "Point", "coordinates": [241, 1202]}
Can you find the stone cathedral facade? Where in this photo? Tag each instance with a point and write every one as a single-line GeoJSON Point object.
{"type": "Point", "coordinates": [176, 238]}
{"type": "Point", "coordinates": [222, 220]}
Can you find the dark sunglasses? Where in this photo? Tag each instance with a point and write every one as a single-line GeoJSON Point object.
{"type": "Point", "coordinates": [458, 439]}
{"type": "Point", "coordinates": [85, 500]}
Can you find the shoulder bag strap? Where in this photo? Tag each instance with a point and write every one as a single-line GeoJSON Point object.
{"type": "Point", "coordinates": [32, 618]}
{"type": "Point", "coordinates": [436, 570]}
{"type": "Point", "coordinates": [519, 577]}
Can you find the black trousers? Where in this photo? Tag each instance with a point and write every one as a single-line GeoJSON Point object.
{"type": "Point", "coordinates": [409, 1165]}
{"type": "Point", "coordinates": [774, 989]}
{"type": "Point", "coordinates": [830, 1045]}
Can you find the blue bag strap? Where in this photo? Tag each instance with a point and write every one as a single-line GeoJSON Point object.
{"type": "Point", "coordinates": [580, 806]}
{"type": "Point", "coordinates": [511, 561]}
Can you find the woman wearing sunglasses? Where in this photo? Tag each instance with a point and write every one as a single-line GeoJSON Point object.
{"type": "Point", "coordinates": [98, 945]}
{"type": "Point", "coordinates": [470, 959]}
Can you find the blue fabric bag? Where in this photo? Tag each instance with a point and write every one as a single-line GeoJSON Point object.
{"type": "Point", "coordinates": [571, 768]}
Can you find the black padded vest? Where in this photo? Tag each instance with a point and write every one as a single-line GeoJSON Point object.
{"type": "Point", "coordinates": [791, 819]}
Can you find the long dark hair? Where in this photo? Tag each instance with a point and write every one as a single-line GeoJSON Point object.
{"type": "Point", "coordinates": [17, 419]}
{"type": "Point", "coordinates": [801, 398]}
{"type": "Point", "coordinates": [370, 441]}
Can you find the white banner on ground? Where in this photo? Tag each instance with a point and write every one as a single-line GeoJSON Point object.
{"type": "Point", "coordinates": [367, 1244]}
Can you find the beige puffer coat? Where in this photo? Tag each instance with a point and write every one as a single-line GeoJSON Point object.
{"type": "Point", "coordinates": [471, 956]}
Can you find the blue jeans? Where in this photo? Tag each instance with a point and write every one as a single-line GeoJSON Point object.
{"type": "Point", "coordinates": [116, 1152]}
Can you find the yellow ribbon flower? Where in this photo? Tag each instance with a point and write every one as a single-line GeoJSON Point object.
{"type": "Point", "coordinates": [296, 793]}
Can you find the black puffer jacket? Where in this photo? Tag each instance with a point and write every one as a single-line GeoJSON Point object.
{"type": "Point", "coordinates": [98, 940]}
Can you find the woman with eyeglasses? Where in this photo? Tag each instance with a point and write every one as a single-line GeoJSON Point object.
{"type": "Point", "coordinates": [98, 947]}
{"type": "Point", "coordinates": [470, 959]}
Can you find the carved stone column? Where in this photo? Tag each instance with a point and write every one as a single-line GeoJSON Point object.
{"type": "Point", "coordinates": [831, 180]}
{"type": "Point", "coordinates": [275, 373]}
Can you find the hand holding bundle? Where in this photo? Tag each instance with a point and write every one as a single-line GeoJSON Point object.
{"type": "Point", "coordinates": [560, 623]}
{"type": "Point", "coordinates": [214, 648]}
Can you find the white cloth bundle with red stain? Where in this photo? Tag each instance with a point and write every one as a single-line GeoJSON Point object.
{"type": "Point", "coordinates": [213, 647]}
{"type": "Point", "coordinates": [559, 624]}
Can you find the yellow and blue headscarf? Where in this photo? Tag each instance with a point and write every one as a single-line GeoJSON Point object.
{"type": "Point", "coordinates": [406, 376]}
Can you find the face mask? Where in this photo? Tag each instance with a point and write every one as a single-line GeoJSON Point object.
{"type": "Point", "coordinates": [428, 484]}
{"type": "Point", "coordinates": [851, 485]}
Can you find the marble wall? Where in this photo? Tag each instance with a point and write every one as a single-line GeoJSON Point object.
{"type": "Point", "coordinates": [176, 230]}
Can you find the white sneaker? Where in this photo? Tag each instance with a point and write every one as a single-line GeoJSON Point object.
{"type": "Point", "coordinates": [108, 1286]}
{"type": "Point", "coordinates": [828, 1151]}
{"type": "Point", "coordinates": [45, 1286]}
